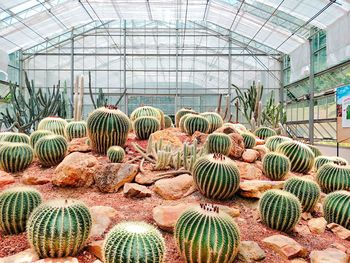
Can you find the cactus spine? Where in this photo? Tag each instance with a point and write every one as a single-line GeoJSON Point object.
{"type": "Point", "coordinates": [4, 134]}
{"type": "Point", "coordinates": [148, 111]}
{"type": "Point", "coordinates": [206, 234]}
{"type": "Point", "coordinates": [219, 143]}
{"type": "Point", "coordinates": [273, 142]}
{"type": "Point", "coordinates": [180, 113]}
{"type": "Point", "coordinates": [249, 140]}
{"type": "Point", "coordinates": [115, 154]}
{"type": "Point", "coordinates": [36, 135]}
{"type": "Point", "coordinates": [51, 149]}
{"type": "Point", "coordinates": [17, 137]}
{"type": "Point", "coordinates": [315, 150]}
{"type": "Point", "coordinates": [54, 124]}
{"type": "Point", "coordinates": [168, 121]}
{"type": "Point", "coordinates": [15, 157]}
{"type": "Point", "coordinates": [59, 228]}
{"type": "Point", "coordinates": [264, 132]}
{"type": "Point", "coordinates": [275, 166]}
{"type": "Point", "coordinates": [134, 242]}
{"type": "Point", "coordinates": [16, 205]}
{"type": "Point", "coordinates": [145, 126]}
{"type": "Point", "coordinates": [332, 177]}
{"type": "Point", "coordinates": [76, 129]}
{"type": "Point", "coordinates": [336, 208]}
{"type": "Point", "coordinates": [214, 119]}
{"type": "Point", "coordinates": [279, 209]}
{"type": "Point", "coordinates": [195, 123]}
{"type": "Point", "coordinates": [307, 191]}
{"type": "Point", "coordinates": [182, 122]}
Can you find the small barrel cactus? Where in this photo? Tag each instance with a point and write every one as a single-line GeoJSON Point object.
{"type": "Point", "coordinates": [279, 209]}
{"type": "Point", "coordinates": [17, 137]}
{"type": "Point", "coordinates": [182, 122]}
{"type": "Point", "coordinates": [321, 160]}
{"type": "Point", "coordinates": [273, 142]}
{"type": "Point", "coordinates": [115, 154]}
{"type": "Point", "coordinates": [15, 156]}
{"type": "Point", "coordinates": [180, 113]}
{"type": "Point", "coordinates": [307, 191]}
{"type": "Point", "coordinates": [36, 135]}
{"type": "Point", "coordinates": [206, 234]}
{"type": "Point", "coordinates": [214, 119]}
{"type": "Point", "coordinates": [332, 177]}
{"type": "Point", "coordinates": [107, 126]}
{"type": "Point", "coordinates": [219, 143]}
{"type": "Point", "coordinates": [16, 205]}
{"type": "Point", "coordinates": [216, 176]}
{"type": "Point", "coordinates": [141, 242]}
{"type": "Point", "coordinates": [315, 150]}
{"type": "Point", "coordinates": [59, 228]}
{"type": "Point", "coordinates": [51, 149]}
{"type": "Point", "coordinates": [264, 132]}
{"type": "Point", "coordinates": [4, 134]}
{"type": "Point", "coordinates": [195, 123]}
{"type": "Point", "coordinates": [145, 126]}
{"type": "Point", "coordinates": [249, 140]}
{"type": "Point", "coordinates": [336, 207]}
{"type": "Point", "coordinates": [275, 165]}
{"type": "Point", "coordinates": [55, 124]}
{"type": "Point", "coordinates": [168, 121]}
{"type": "Point", "coordinates": [300, 156]}
{"type": "Point", "coordinates": [76, 129]}
{"type": "Point", "coordinates": [147, 111]}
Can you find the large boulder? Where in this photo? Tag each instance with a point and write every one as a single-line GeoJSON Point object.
{"type": "Point", "coordinates": [329, 255]}
{"type": "Point", "coordinates": [101, 218]}
{"type": "Point", "coordinates": [172, 136]}
{"type": "Point", "coordinates": [249, 171]}
{"type": "Point", "coordinates": [339, 230]}
{"type": "Point", "coordinates": [79, 145]}
{"type": "Point", "coordinates": [285, 246]}
{"type": "Point", "coordinates": [28, 255]}
{"type": "Point", "coordinates": [237, 148]}
{"type": "Point", "coordinates": [250, 251]}
{"type": "Point", "coordinates": [255, 188]}
{"type": "Point", "coordinates": [200, 137]}
{"type": "Point", "coordinates": [175, 188]}
{"type": "Point", "coordinates": [250, 156]}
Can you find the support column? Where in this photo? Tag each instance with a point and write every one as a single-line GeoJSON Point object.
{"type": "Point", "coordinates": [72, 71]}
{"type": "Point", "coordinates": [177, 66]}
{"type": "Point", "coordinates": [311, 94]}
{"type": "Point", "coordinates": [281, 88]}
{"type": "Point", "coordinates": [124, 68]}
{"type": "Point", "coordinates": [229, 74]}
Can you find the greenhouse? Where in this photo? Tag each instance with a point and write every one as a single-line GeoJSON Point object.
{"type": "Point", "coordinates": [160, 131]}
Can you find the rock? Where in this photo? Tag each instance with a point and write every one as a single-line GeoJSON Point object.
{"type": "Point", "coordinates": [319, 209]}
{"type": "Point", "coordinates": [136, 190]}
{"type": "Point", "coordinates": [79, 145]}
{"type": "Point", "coordinates": [250, 156]}
{"type": "Point", "coordinates": [237, 148]}
{"type": "Point", "coordinates": [298, 260]}
{"type": "Point", "coordinates": [34, 179]}
{"type": "Point", "coordinates": [285, 246]}
{"type": "Point", "coordinates": [110, 177]}
{"type": "Point", "coordinates": [328, 255]}
{"type": "Point", "coordinates": [317, 225]}
{"type": "Point", "coordinates": [200, 137]}
{"type": "Point", "coordinates": [306, 215]}
{"type": "Point", "coordinates": [174, 188]}
{"type": "Point", "coordinates": [226, 130]}
{"type": "Point", "coordinates": [231, 211]}
{"type": "Point", "coordinates": [101, 219]}
{"type": "Point", "coordinates": [340, 247]}
{"type": "Point", "coordinates": [255, 188]}
{"type": "Point", "coordinates": [58, 260]}
{"type": "Point", "coordinates": [262, 150]}
{"type": "Point", "coordinates": [170, 136]}
{"type": "Point", "coordinates": [76, 170]}
{"type": "Point", "coordinates": [6, 178]}
{"type": "Point", "coordinates": [25, 256]}
{"type": "Point", "coordinates": [249, 251]}
{"type": "Point", "coordinates": [339, 230]}
{"type": "Point", "coordinates": [145, 178]}
{"type": "Point", "coordinates": [95, 248]}
{"type": "Point", "coordinates": [302, 230]}
{"type": "Point", "coordinates": [249, 171]}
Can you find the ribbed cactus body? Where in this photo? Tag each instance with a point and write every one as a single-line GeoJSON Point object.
{"type": "Point", "coordinates": [249, 140]}
{"type": "Point", "coordinates": [216, 176]}
{"type": "Point", "coordinates": [168, 122]}
{"type": "Point", "coordinates": [340, 161]}
{"type": "Point", "coordinates": [214, 119]}
{"type": "Point", "coordinates": [279, 209]}
{"type": "Point", "coordinates": [275, 166]}
{"type": "Point", "coordinates": [55, 124]}
{"type": "Point", "coordinates": [115, 154]}
{"type": "Point", "coordinates": [332, 177]}
{"type": "Point", "coordinates": [16, 205]}
{"type": "Point", "coordinates": [36, 135]}
{"type": "Point", "coordinates": [4, 134]}
{"type": "Point", "coordinates": [182, 122]}
{"type": "Point", "coordinates": [219, 143]}
{"type": "Point", "coordinates": [59, 228]}
{"type": "Point", "coordinates": [145, 126]}
{"type": "Point", "coordinates": [16, 156]}
{"type": "Point", "coordinates": [16, 137]}
{"type": "Point", "coordinates": [307, 191]}
{"type": "Point", "coordinates": [315, 150]}
{"type": "Point", "coordinates": [147, 111]}
{"type": "Point", "coordinates": [299, 155]}
{"type": "Point", "coordinates": [180, 113]}
{"type": "Point", "coordinates": [264, 132]}
{"type": "Point", "coordinates": [274, 141]}
{"type": "Point", "coordinates": [51, 149]}
{"type": "Point", "coordinates": [205, 234]}
{"type": "Point", "coordinates": [336, 207]}
{"type": "Point", "coordinates": [195, 123]}
{"type": "Point", "coordinates": [76, 129]}
{"type": "Point", "coordinates": [134, 242]}
{"type": "Point", "coordinates": [107, 126]}
{"type": "Point", "coordinates": [239, 127]}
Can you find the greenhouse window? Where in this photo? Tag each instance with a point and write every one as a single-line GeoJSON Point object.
{"type": "Point", "coordinates": [319, 51]}
{"type": "Point", "coordinates": [286, 69]}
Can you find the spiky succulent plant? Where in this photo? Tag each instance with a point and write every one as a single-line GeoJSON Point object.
{"type": "Point", "coordinates": [180, 113]}
{"type": "Point", "coordinates": [148, 111]}
{"type": "Point", "coordinates": [76, 129]}
{"type": "Point", "coordinates": [16, 137]}
{"type": "Point", "coordinates": [321, 160]}
{"type": "Point", "coordinates": [4, 134]}
{"type": "Point", "coordinates": [145, 126]}
{"type": "Point", "coordinates": [51, 149]}
{"type": "Point", "coordinates": [336, 207]}
{"type": "Point", "coordinates": [214, 119]}
{"type": "Point", "coordinates": [182, 122]}
{"type": "Point", "coordinates": [273, 142]}
{"type": "Point", "coordinates": [195, 123]}
{"type": "Point", "coordinates": [332, 177]}
{"type": "Point", "coordinates": [55, 124]}
{"type": "Point", "coordinates": [168, 122]}
{"type": "Point", "coordinates": [315, 150]}
{"type": "Point", "coordinates": [15, 156]}
{"type": "Point", "coordinates": [275, 165]}
{"type": "Point", "coordinates": [249, 140]}
{"type": "Point", "coordinates": [115, 154]}
{"type": "Point", "coordinates": [219, 143]}
{"type": "Point", "coordinates": [36, 135]}
{"type": "Point", "coordinates": [264, 132]}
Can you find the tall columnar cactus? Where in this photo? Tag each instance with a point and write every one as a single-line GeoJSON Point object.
{"type": "Point", "coordinates": [168, 121]}
{"type": "Point", "coordinates": [59, 228]}
{"type": "Point", "coordinates": [336, 208]}
{"type": "Point", "coordinates": [107, 126]}
{"type": "Point", "coordinates": [219, 143]}
{"type": "Point", "coordinates": [307, 191]}
{"type": "Point", "coordinates": [275, 165]}
{"type": "Point", "coordinates": [55, 124]}
{"type": "Point", "coordinates": [16, 205]}
{"type": "Point", "coordinates": [273, 142]}
{"type": "Point", "coordinates": [76, 129]}
{"type": "Point", "coordinates": [214, 119]}
{"type": "Point", "coordinates": [216, 176]}
{"type": "Point", "coordinates": [145, 126]}
{"type": "Point", "coordinates": [206, 234]}
{"type": "Point", "coordinates": [315, 150]}
{"type": "Point", "coordinates": [195, 123]}
{"type": "Point", "coordinates": [279, 209]}
{"type": "Point", "coordinates": [36, 135]}
{"type": "Point", "coordinates": [249, 140]}
{"type": "Point", "coordinates": [182, 122]}
{"type": "Point", "coordinates": [51, 149]}
{"type": "Point", "coordinates": [141, 242]}
{"type": "Point", "coordinates": [180, 113]}
{"type": "Point", "coordinates": [15, 157]}
{"type": "Point", "coordinates": [332, 177]}
{"type": "Point", "coordinates": [300, 156]}
{"type": "Point", "coordinates": [264, 132]}
{"type": "Point", "coordinates": [115, 154]}
{"type": "Point", "coordinates": [17, 137]}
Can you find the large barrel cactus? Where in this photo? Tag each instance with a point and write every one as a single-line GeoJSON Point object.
{"type": "Point", "coordinates": [36, 135]}
{"type": "Point", "coordinates": [219, 143]}
{"type": "Point", "coordinates": [264, 132]}
{"type": "Point", "coordinates": [321, 160]}
{"type": "Point", "coordinates": [216, 176]}
{"type": "Point", "coordinates": [76, 129]}
{"type": "Point", "coordinates": [332, 177]}
{"type": "Point", "coordinates": [180, 113]}
{"type": "Point", "coordinates": [134, 242]}
{"type": "Point", "coordinates": [249, 140]}
{"type": "Point", "coordinates": [273, 142]}
{"type": "Point", "coordinates": [55, 124]}
{"type": "Point", "coordinates": [214, 119]}
{"type": "Point", "coordinates": [195, 123]}
{"type": "Point", "coordinates": [51, 149]}
{"type": "Point", "coordinates": [206, 234]}
{"type": "Point", "coordinates": [145, 126]}
{"type": "Point", "coordinates": [4, 134]}
{"type": "Point", "coordinates": [299, 154]}
{"type": "Point", "coordinates": [307, 191]}
{"type": "Point", "coordinates": [16, 205]}
{"type": "Point", "coordinates": [17, 137]}
{"type": "Point", "coordinates": [315, 150]}
{"type": "Point", "coordinates": [275, 165]}
{"type": "Point", "coordinates": [182, 122]}
{"type": "Point", "coordinates": [336, 207]}
{"type": "Point", "coordinates": [15, 157]}
{"type": "Point", "coordinates": [148, 111]}
{"type": "Point", "coordinates": [279, 209]}
{"type": "Point", "coordinates": [168, 122]}
{"type": "Point", "coordinates": [115, 154]}
{"type": "Point", "coordinates": [107, 126]}
{"type": "Point", "coordinates": [59, 228]}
